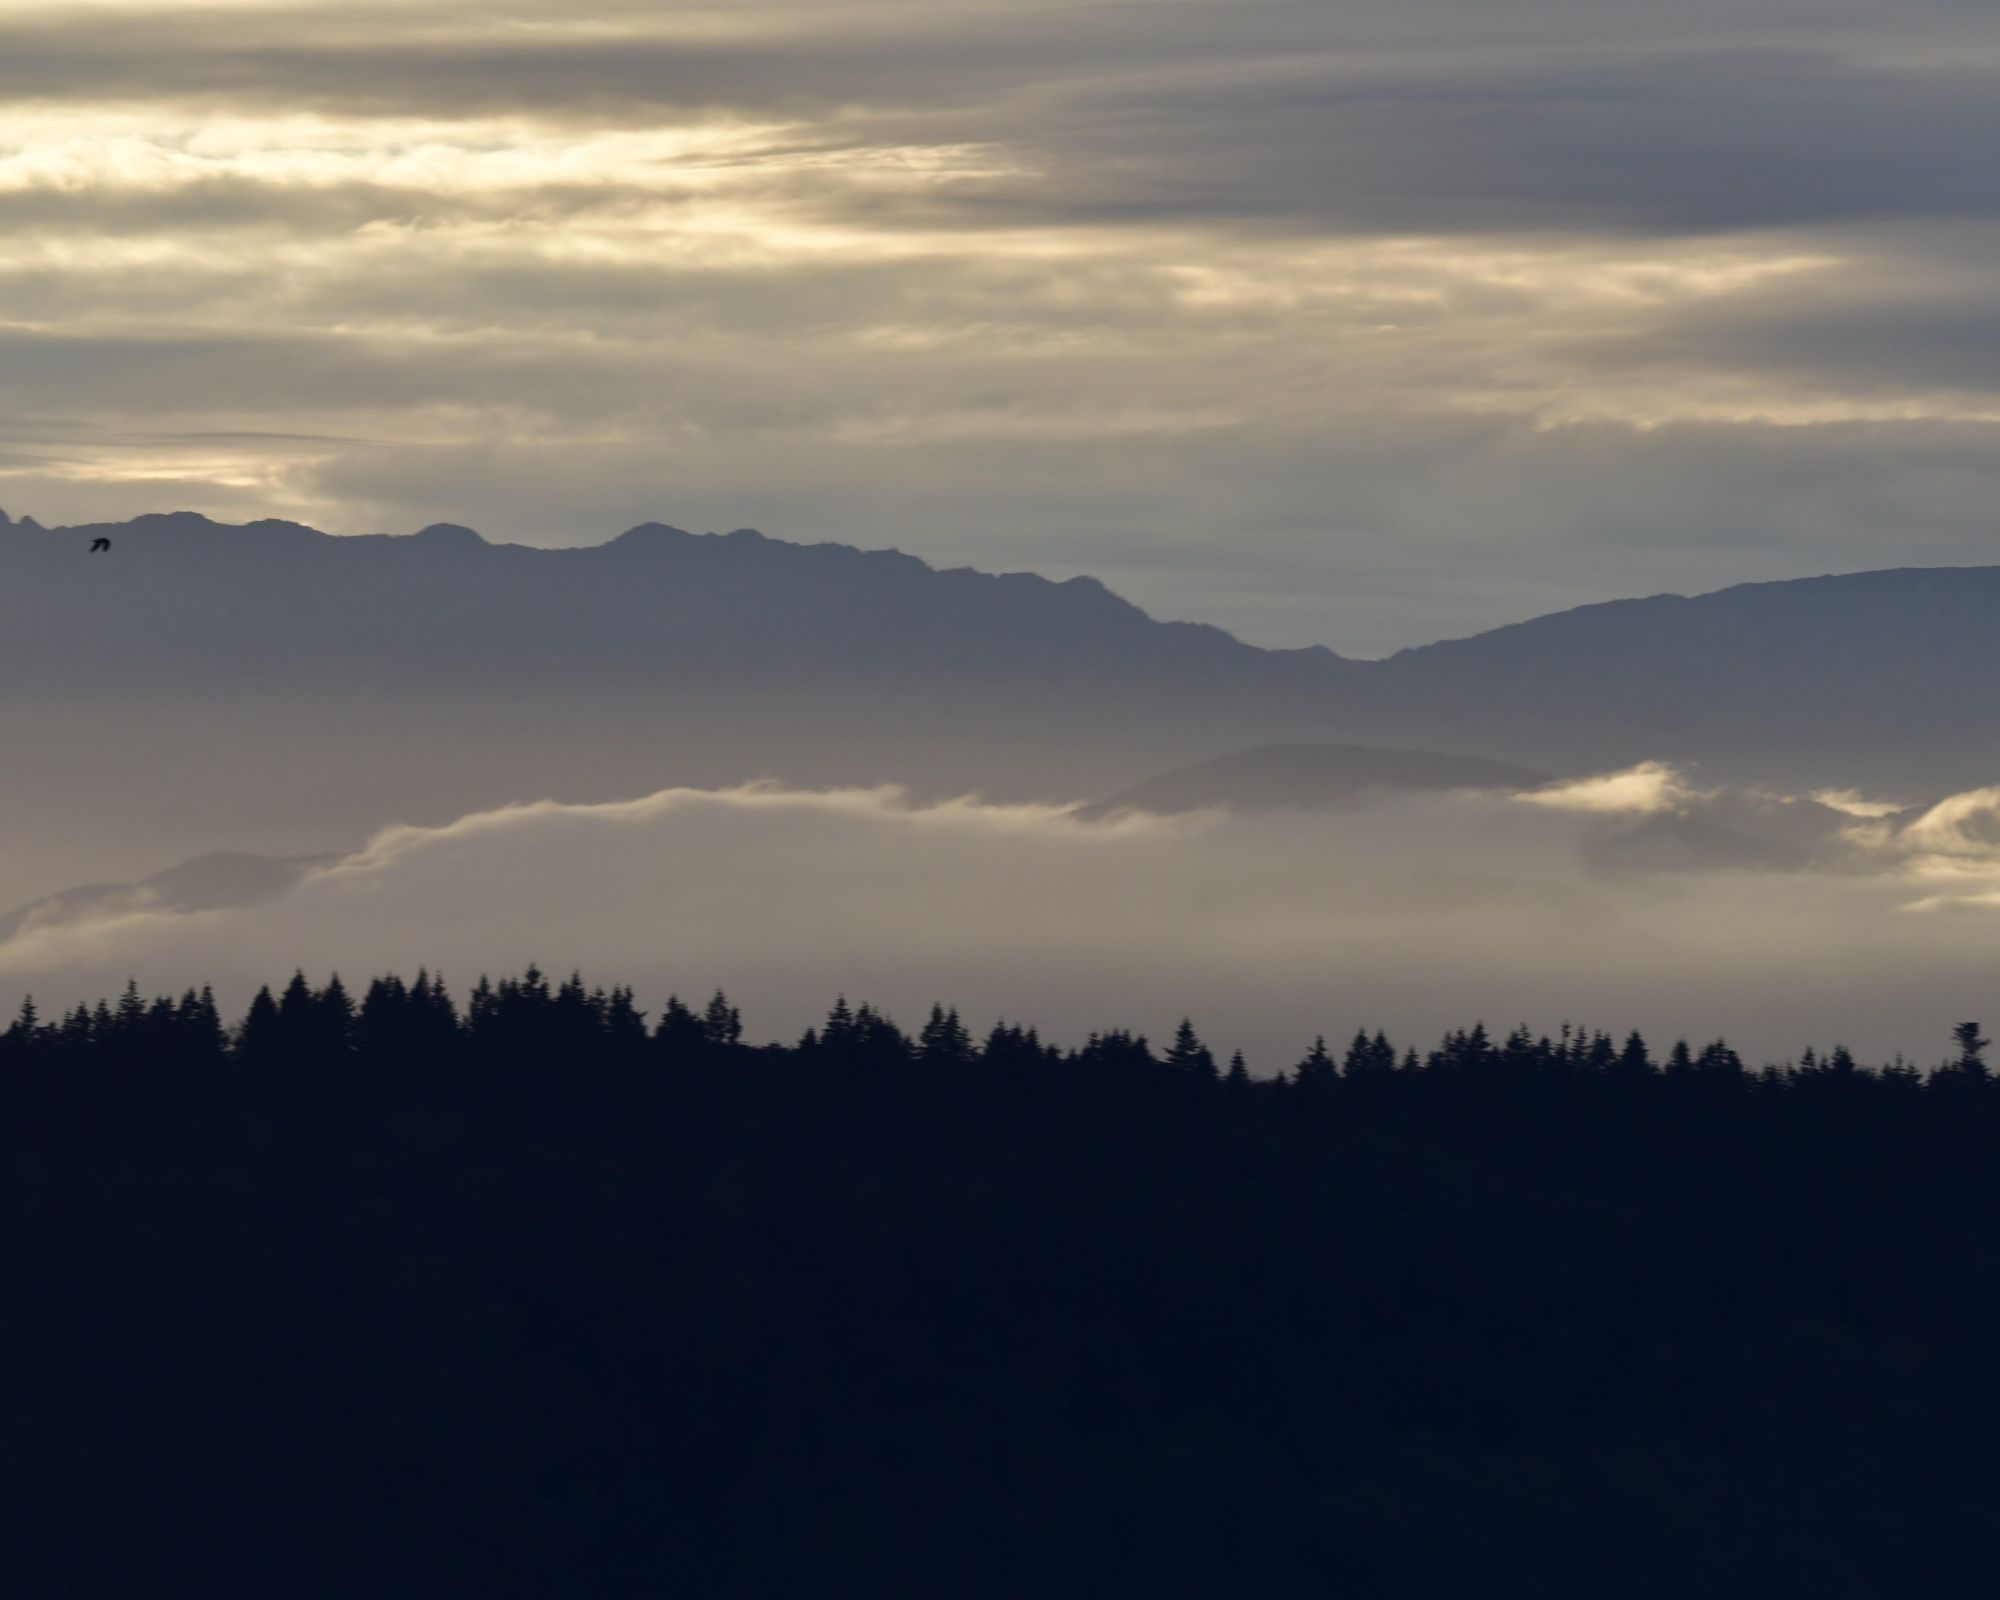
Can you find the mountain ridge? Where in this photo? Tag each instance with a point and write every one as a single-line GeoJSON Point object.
{"type": "Point", "coordinates": [653, 533]}
{"type": "Point", "coordinates": [279, 690]}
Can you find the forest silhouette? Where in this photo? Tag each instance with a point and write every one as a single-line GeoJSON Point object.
{"type": "Point", "coordinates": [539, 1292]}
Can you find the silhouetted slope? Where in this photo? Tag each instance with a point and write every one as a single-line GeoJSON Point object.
{"type": "Point", "coordinates": [1880, 678]}
{"type": "Point", "coordinates": [382, 1297]}
{"type": "Point", "coordinates": [1310, 777]}
{"type": "Point", "coordinates": [197, 604]}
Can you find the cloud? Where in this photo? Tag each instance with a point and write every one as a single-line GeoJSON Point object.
{"type": "Point", "coordinates": [1965, 825]}
{"type": "Point", "coordinates": [1360, 324]}
{"type": "Point", "coordinates": [1268, 929]}
{"type": "Point", "coordinates": [1650, 787]}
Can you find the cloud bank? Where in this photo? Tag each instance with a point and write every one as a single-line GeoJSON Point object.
{"type": "Point", "coordinates": [1413, 916]}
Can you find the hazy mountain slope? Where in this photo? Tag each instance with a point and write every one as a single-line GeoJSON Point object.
{"type": "Point", "coordinates": [272, 689]}
{"type": "Point", "coordinates": [199, 604]}
{"type": "Point", "coordinates": [1310, 777]}
{"type": "Point", "coordinates": [1884, 679]}
{"type": "Point", "coordinates": [224, 880]}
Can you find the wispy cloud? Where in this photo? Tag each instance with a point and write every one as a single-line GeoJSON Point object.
{"type": "Point", "coordinates": [1363, 324]}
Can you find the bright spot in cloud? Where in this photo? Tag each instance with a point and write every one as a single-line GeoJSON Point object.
{"type": "Point", "coordinates": [1649, 787]}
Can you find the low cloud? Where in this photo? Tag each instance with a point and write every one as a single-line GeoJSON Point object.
{"type": "Point", "coordinates": [1415, 915]}
{"type": "Point", "coordinates": [1648, 788]}
{"type": "Point", "coordinates": [1963, 826]}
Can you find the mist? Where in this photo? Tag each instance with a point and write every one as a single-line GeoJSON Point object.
{"type": "Point", "coordinates": [1412, 914]}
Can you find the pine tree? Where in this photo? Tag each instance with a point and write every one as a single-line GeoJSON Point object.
{"type": "Point", "coordinates": [943, 1040]}
{"type": "Point", "coordinates": [624, 1023]}
{"type": "Point", "coordinates": [130, 1018]}
{"type": "Point", "coordinates": [200, 1040]}
{"type": "Point", "coordinates": [1315, 1072]}
{"type": "Point", "coordinates": [1188, 1056]}
{"type": "Point", "coordinates": [680, 1036]}
{"type": "Point", "coordinates": [260, 1037]}
{"type": "Point", "coordinates": [1634, 1061]}
{"type": "Point", "coordinates": [380, 1028]}
{"type": "Point", "coordinates": [334, 1016]}
{"type": "Point", "coordinates": [837, 1032]}
{"type": "Point", "coordinates": [1237, 1078]}
{"type": "Point", "coordinates": [721, 1023]}
{"type": "Point", "coordinates": [23, 1038]}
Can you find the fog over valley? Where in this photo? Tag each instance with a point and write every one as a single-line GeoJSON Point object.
{"type": "Point", "coordinates": [439, 751]}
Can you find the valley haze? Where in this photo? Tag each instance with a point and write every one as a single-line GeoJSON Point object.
{"type": "Point", "coordinates": [1153, 813]}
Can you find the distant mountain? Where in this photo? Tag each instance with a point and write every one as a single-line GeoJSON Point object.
{"type": "Point", "coordinates": [1886, 680]}
{"type": "Point", "coordinates": [197, 604]}
{"type": "Point", "coordinates": [224, 880]}
{"type": "Point", "coordinates": [1310, 777]}
{"type": "Point", "coordinates": [276, 689]}
{"type": "Point", "coordinates": [1735, 831]}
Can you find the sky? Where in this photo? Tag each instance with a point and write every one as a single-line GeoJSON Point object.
{"type": "Point", "coordinates": [1360, 324]}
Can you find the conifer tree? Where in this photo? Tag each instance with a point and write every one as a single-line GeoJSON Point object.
{"type": "Point", "coordinates": [260, 1036]}
{"type": "Point", "coordinates": [722, 1023]}
{"type": "Point", "coordinates": [943, 1040]}
{"type": "Point", "coordinates": [680, 1035]}
{"type": "Point", "coordinates": [1634, 1061]}
{"type": "Point", "coordinates": [1188, 1056]}
{"type": "Point", "coordinates": [1315, 1072]}
{"type": "Point", "coordinates": [334, 1015]}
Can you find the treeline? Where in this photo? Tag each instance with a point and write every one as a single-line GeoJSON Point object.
{"type": "Point", "coordinates": [528, 1020]}
{"type": "Point", "coordinates": [385, 1292]}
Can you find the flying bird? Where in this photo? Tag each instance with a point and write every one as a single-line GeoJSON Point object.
{"type": "Point", "coordinates": [99, 544]}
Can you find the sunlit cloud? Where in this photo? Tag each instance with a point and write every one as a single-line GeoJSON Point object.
{"type": "Point", "coordinates": [1649, 787]}
{"type": "Point", "coordinates": [1964, 825]}
{"type": "Point", "coordinates": [1853, 803]}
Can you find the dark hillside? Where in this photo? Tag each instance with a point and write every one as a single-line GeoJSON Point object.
{"type": "Point", "coordinates": [379, 1298]}
{"type": "Point", "coordinates": [1876, 679]}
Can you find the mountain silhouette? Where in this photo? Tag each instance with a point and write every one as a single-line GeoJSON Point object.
{"type": "Point", "coordinates": [1877, 679]}
{"type": "Point", "coordinates": [277, 689]}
